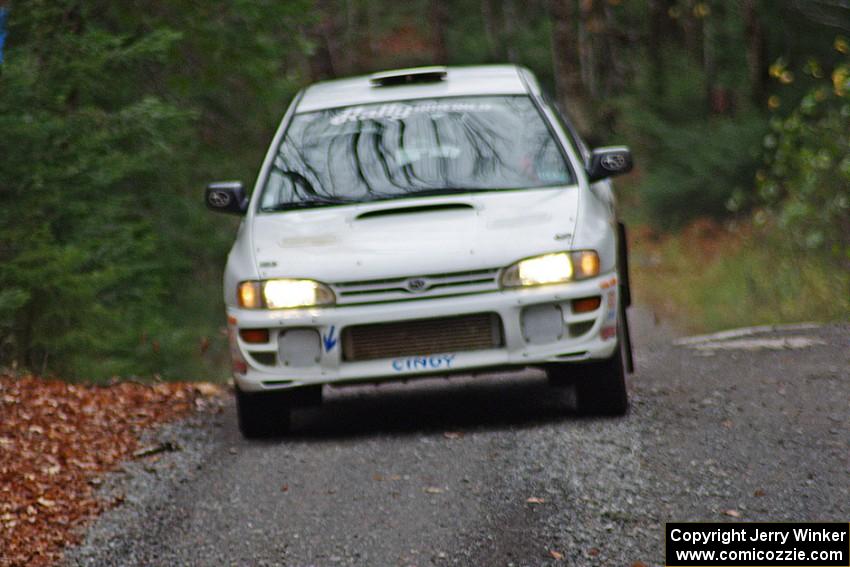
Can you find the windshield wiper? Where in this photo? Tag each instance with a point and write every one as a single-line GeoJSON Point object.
{"type": "Point", "coordinates": [330, 201]}
{"type": "Point", "coordinates": [443, 191]}
{"type": "Point", "coordinates": [306, 204]}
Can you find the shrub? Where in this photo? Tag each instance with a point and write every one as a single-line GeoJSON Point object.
{"type": "Point", "coordinates": [805, 178]}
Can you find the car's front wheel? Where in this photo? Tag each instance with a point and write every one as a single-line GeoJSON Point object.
{"type": "Point", "coordinates": [600, 385]}
{"type": "Point", "coordinates": [601, 388]}
{"type": "Point", "coordinates": [268, 414]}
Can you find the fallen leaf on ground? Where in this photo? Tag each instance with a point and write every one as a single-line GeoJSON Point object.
{"type": "Point", "coordinates": [62, 438]}
{"type": "Point", "coordinates": [593, 551]}
{"type": "Point", "coordinates": [639, 564]}
{"type": "Point", "coordinates": [208, 389]}
{"type": "Point", "coordinates": [759, 493]}
{"type": "Point", "coordinates": [732, 513]}
{"type": "Point", "coordinates": [535, 500]}
{"type": "Point", "coordinates": [284, 488]}
{"type": "Point", "coordinates": [434, 490]}
{"type": "Point", "coordinates": [557, 556]}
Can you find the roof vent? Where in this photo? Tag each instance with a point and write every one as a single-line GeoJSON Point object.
{"type": "Point", "coordinates": [408, 76]}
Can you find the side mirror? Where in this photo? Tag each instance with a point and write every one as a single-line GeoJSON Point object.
{"type": "Point", "coordinates": [227, 197]}
{"type": "Point", "coordinates": [608, 162]}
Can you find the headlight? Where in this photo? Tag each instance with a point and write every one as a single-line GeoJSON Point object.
{"type": "Point", "coordinates": [552, 268]}
{"type": "Point", "coordinates": [284, 294]}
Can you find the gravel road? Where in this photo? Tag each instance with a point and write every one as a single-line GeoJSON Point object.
{"type": "Point", "coordinates": [499, 470]}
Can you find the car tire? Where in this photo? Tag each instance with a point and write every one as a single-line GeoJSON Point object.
{"type": "Point", "coordinates": [600, 385]}
{"type": "Point", "coordinates": [263, 414]}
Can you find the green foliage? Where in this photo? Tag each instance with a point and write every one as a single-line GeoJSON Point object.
{"type": "Point", "coordinates": [757, 277]}
{"type": "Point", "coordinates": [805, 179]}
{"type": "Point", "coordinates": [81, 183]}
{"type": "Point", "coordinates": [112, 117]}
{"type": "Point", "coordinates": [704, 164]}
{"type": "Point", "coordinates": [695, 161]}
{"type": "Point", "coordinates": [768, 282]}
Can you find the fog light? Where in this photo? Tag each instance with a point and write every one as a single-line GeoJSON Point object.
{"type": "Point", "coordinates": [579, 329]}
{"type": "Point", "coordinates": [586, 304]}
{"type": "Point", "coordinates": [254, 336]}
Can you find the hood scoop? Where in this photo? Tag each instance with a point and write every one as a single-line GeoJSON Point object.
{"type": "Point", "coordinates": [414, 210]}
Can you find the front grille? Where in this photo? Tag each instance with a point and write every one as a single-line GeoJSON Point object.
{"type": "Point", "coordinates": [480, 331]}
{"type": "Point", "coordinates": [431, 285]}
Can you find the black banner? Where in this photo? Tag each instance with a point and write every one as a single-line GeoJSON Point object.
{"type": "Point", "coordinates": [757, 544]}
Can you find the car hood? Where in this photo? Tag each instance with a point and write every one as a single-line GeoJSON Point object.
{"type": "Point", "coordinates": [419, 236]}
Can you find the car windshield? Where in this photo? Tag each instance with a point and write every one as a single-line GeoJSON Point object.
{"type": "Point", "coordinates": [418, 147]}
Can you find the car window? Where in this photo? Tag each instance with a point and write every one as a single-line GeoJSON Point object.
{"type": "Point", "coordinates": [399, 149]}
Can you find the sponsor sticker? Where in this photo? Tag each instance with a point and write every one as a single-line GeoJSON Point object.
{"type": "Point", "coordinates": [400, 110]}
{"type": "Point", "coordinates": [424, 362]}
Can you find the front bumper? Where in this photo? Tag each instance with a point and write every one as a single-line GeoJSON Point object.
{"type": "Point", "coordinates": [259, 367]}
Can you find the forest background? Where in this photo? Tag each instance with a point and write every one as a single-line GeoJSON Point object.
{"type": "Point", "coordinates": [114, 115]}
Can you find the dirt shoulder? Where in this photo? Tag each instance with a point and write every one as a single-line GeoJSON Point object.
{"type": "Point", "coordinates": [58, 440]}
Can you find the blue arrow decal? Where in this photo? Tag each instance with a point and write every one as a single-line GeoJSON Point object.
{"type": "Point", "coordinates": [329, 339]}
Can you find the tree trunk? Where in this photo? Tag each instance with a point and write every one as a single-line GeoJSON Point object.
{"type": "Point", "coordinates": [358, 48]}
{"type": "Point", "coordinates": [373, 16]}
{"type": "Point", "coordinates": [439, 17]}
{"type": "Point", "coordinates": [592, 44]}
{"type": "Point", "coordinates": [755, 50]}
{"type": "Point", "coordinates": [565, 62]}
{"type": "Point", "coordinates": [721, 98]}
{"type": "Point", "coordinates": [509, 23]}
{"type": "Point", "coordinates": [714, 94]}
{"type": "Point", "coordinates": [657, 20]}
{"type": "Point", "coordinates": [584, 48]}
{"type": "Point", "coordinates": [692, 30]}
{"type": "Point", "coordinates": [352, 45]}
{"type": "Point", "coordinates": [323, 62]}
{"type": "Point", "coordinates": [490, 27]}
{"type": "Point", "coordinates": [613, 68]}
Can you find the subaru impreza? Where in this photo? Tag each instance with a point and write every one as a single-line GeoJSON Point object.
{"type": "Point", "coordinates": [424, 222]}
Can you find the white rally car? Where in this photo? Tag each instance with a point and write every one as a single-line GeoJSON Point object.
{"type": "Point", "coordinates": [425, 222]}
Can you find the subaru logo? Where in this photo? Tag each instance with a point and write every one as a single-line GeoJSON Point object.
{"type": "Point", "coordinates": [614, 162]}
{"type": "Point", "coordinates": [417, 285]}
{"type": "Point", "coordinates": [219, 199]}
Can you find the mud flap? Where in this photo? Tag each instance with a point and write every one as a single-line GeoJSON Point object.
{"type": "Point", "coordinates": [623, 259]}
{"type": "Point", "coordinates": [627, 340]}
{"type": "Point", "coordinates": [625, 294]}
